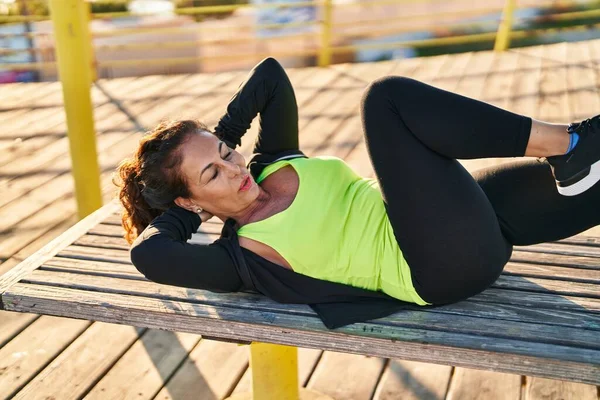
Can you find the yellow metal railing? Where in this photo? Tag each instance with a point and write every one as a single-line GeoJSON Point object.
{"type": "Point", "coordinates": [328, 33]}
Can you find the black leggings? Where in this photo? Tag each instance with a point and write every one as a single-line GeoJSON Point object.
{"type": "Point", "coordinates": [457, 230]}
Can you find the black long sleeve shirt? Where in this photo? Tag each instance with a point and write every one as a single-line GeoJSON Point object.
{"type": "Point", "coordinates": [162, 253]}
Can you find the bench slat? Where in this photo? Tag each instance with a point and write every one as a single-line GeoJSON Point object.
{"type": "Point", "coordinates": [561, 287]}
{"type": "Point", "coordinates": [564, 249]}
{"type": "Point", "coordinates": [521, 269]}
{"type": "Point", "coordinates": [491, 295]}
{"type": "Point", "coordinates": [548, 286]}
{"type": "Point", "coordinates": [471, 351]}
{"type": "Point", "coordinates": [556, 259]}
{"type": "Point", "coordinates": [498, 297]}
{"type": "Point", "coordinates": [553, 272]}
{"type": "Point", "coordinates": [543, 331]}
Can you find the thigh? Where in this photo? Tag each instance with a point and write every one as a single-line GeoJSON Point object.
{"type": "Point", "coordinates": [530, 209]}
{"type": "Point", "coordinates": [443, 222]}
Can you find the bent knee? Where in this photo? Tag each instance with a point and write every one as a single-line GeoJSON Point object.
{"type": "Point", "coordinates": [385, 86]}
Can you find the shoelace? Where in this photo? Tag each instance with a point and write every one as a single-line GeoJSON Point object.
{"type": "Point", "coordinates": [584, 125]}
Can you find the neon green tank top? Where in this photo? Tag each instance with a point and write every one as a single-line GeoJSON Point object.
{"type": "Point", "coordinates": [336, 229]}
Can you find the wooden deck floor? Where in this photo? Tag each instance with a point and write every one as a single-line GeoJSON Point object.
{"type": "Point", "coordinates": [48, 357]}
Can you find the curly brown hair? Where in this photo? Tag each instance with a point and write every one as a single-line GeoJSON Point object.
{"type": "Point", "coordinates": [151, 179]}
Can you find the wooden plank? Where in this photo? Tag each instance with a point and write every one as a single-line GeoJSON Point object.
{"type": "Point", "coordinates": [28, 186]}
{"type": "Point", "coordinates": [561, 287]}
{"type": "Point", "coordinates": [538, 300]}
{"type": "Point", "coordinates": [11, 324]}
{"type": "Point", "coordinates": [211, 371]}
{"type": "Point", "coordinates": [43, 222]}
{"type": "Point", "coordinates": [23, 185]}
{"type": "Point", "coordinates": [543, 389]}
{"type": "Point", "coordinates": [500, 314]}
{"type": "Point", "coordinates": [565, 249]}
{"type": "Point", "coordinates": [145, 367]}
{"type": "Point", "coordinates": [52, 248]}
{"type": "Point", "coordinates": [472, 83]}
{"type": "Point", "coordinates": [545, 271]}
{"type": "Point", "coordinates": [554, 98]}
{"type": "Point", "coordinates": [526, 88]}
{"type": "Point", "coordinates": [92, 267]}
{"type": "Point", "coordinates": [29, 98]}
{"type": "Point", "coordinates": [583, 240]}
{"type": "Point", "coordinates": [581, 81]}
{"type": "Point", "coordinates": [78, 367]}
{"type": "Point", "coordinates": [95, 254]}
{"type": "Point", "coordinates": [412, 380]}
{"type": "Point", "coordinates": [451, 74]}
{"type": "Point", "coordinates": [470, 384]}
{"type": "Point", "coordinates": [36, 346]}
{"type": "Point", "coordinates": [44, 139]}
{"type": "Point", "coordinates": [548, 286]}
{"type": "Point", "coordinates": [496, 89]}
{"type": "Point", "coordinates": [17, 94]}
{"type": "Point", "coordinates": [307, 362]}
{"type": "Point", "coordinates": [492, 303]}
{"type": "Point", "coordinates": [346, 376]}
{"type": "Point", "coordinates": [543, 258]}
{"type": "Point", "coordinates": [148, 112]}
{"type": "Point", "coordinates": [472, 351]}
{"type": "Point", "coordinates": [122, 268]}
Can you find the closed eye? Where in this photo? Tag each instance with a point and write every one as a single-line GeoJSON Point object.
{"type": "Point", "coordinates": [227, 157]}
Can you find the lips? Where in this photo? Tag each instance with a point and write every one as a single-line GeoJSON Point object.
{"type": "Point", "coordinates": [245, 182]}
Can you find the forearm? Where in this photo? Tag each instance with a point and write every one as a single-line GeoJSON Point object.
{"type": "Point", "coordinates": [163, 255]}
{"type": "Point", "coordinates": [267, 90]}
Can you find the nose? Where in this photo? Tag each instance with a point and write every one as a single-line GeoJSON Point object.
{"type": "Point", "coordinates": [233, 169]}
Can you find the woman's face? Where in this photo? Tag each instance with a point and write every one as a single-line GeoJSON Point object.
{"type": "Point", "coordinates": [214, 173]}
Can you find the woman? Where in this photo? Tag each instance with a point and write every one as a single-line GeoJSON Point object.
{"type": "Point", "coordinates": [309, 230]}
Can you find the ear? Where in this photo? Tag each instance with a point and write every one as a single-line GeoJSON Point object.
{"type": "Point", "coordinates": [185, 203]}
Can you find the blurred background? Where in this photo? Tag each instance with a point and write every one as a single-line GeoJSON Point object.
{"type": "Point", "coordinates": [143, 37]}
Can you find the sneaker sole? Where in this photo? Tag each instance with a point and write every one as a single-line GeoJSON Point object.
{"type": "Point", "coordinates": [583, 184]}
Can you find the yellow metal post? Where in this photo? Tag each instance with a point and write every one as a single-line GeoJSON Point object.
{"type": "Point", "coordinates": [505, 27]}
{"type": "Point", "coordinates": [325, 53]}
{"type": "Point", "coordinates": [75, 75]}
{"type": "Point", "coordinates": [87, 17]}
{"type": "Point", "coordinates": [274, 371]}
{"type": "Point", "coordinates": [275, 375]}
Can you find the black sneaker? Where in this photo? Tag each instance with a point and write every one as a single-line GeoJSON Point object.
{"type": "Point", "coordinates": [579, 170]}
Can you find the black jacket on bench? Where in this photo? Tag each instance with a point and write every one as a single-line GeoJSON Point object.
{"type": "Point", "coordinates": [162, 253]}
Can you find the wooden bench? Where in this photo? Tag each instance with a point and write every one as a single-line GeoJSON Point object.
{"type": "Point", "coordinates": [540, 318]}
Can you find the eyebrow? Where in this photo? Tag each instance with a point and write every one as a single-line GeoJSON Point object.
{"type": "Point", "coordinates": [211, 164]}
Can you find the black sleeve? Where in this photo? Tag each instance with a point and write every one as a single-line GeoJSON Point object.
{"type": "Point", "coordinates": [162, 254]}
{"type": "Point", "coordinates": [267, 90]}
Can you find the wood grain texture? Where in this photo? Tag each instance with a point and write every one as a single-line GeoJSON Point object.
{"type": "Point", "coordinates": [376, 339]}
{"type": "Point", "coordinates": [55, 246]}
{"type": "Point", "coordinates": [345, 376]}
{"type": "Point", "coordinates": [74, 371]}
{"type": "Point", "coordinates": [470, 384]}
{"type": "Point", "coordinates": [541, 330]}
{"type": "Point", "coordinates": [143, 370]}
{"type": "Point", "coordinates": [35, 347]}
{"type": "Point", "coordinates": [549, 389]}
{"type": "Point", "coordinates": [411, 380]}
{"type": "Point", "coordinates": [210, 372]}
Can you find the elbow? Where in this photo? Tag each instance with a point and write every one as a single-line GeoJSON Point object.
{"type": "Point", "coordinates": [271, 64]}
{"type": "Point", "coordinates": [146, 263]}
{"type": "Point", "coordinates": [140, 257]}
